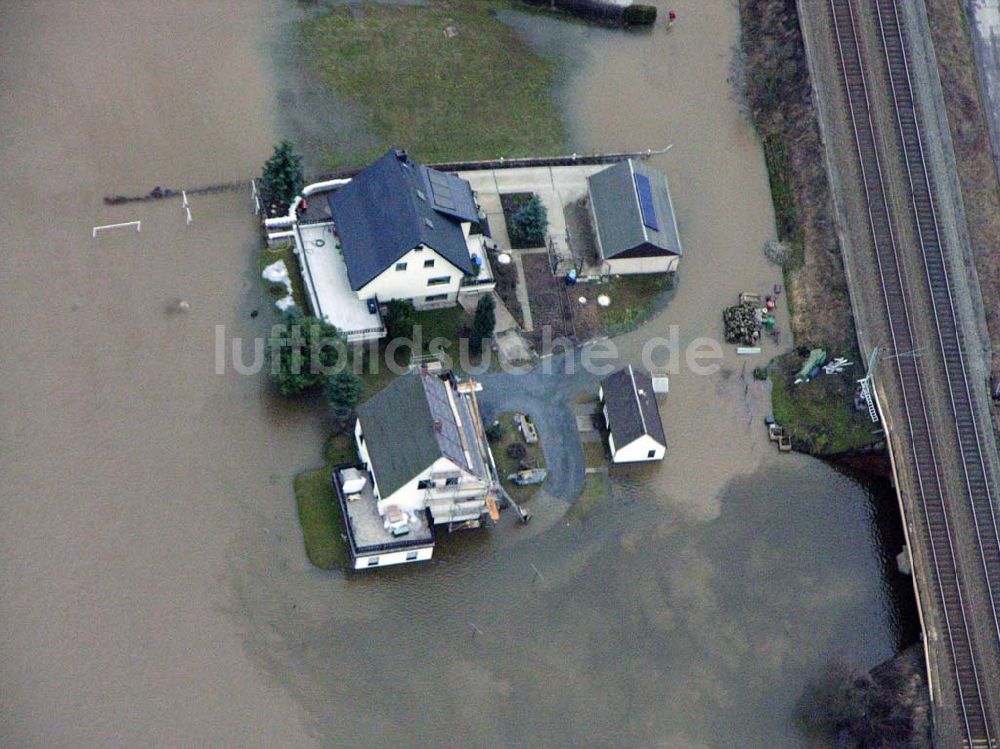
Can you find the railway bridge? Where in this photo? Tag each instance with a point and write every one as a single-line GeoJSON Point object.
{"type": "Point", "coordinates": [901, 224]}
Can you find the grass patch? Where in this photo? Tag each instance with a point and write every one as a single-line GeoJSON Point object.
{"type": "Point", "coordinates": [595, 455]}
{"type": "Point", "coordinates": [340, 448]}
{"type": "Point", "coordinates": [634, 299]}
{"type": "Point", "coordinates": [596, 491]}
{"type": "Point", "coordinates": [482, 93]}
{"type": "Point", "coordinates": [819, 414]}
{"type": "Point", "coordinates": [291, 260]}
{"type": "Point", "coordinates": [322, 524]}
{"type": "Point", "coordinates": [507, 465]}
{"type": "Point", "coordinates": [448, 323]}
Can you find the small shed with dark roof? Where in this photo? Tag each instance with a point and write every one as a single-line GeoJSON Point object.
{"type": "Point", "coordinates": [632, 416]}
{"type": "Point", "coordinates": [633, 218]}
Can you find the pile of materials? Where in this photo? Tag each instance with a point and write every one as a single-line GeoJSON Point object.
{"type": "Point", "coordinates": [742, 324]}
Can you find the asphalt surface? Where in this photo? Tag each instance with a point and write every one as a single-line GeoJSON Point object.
{"type": "Point", "coordinates": [547, 398]}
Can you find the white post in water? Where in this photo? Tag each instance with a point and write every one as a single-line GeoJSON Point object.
{"type": "Point", "coordinates": [187, 209]}
{"type": "Point", "coordinates": [136, 224]}
{"type": "Point", "coordinates": [256, 197]}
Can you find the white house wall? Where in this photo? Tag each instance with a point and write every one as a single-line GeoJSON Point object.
{"type": "Point", "coordinates": [638, 450]}
{"type": "Point", "coordinates": [658, 264]}
{"type": "Point", "coordinates": [386, 559]}
{"type": "Point", "coordinates": [412, 282]}
{"type": "Point", "coordinates": [411, 497]}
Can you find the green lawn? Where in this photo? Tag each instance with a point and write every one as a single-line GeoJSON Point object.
{"type": "Point", "coordinates": [634, 299]}
{"type": "Point", "coordinates": [595, 454]}
{"type": "Point", "coordinates": [340, 448]}
{"type": "Point", "coordinates": [819, 414]}
{"type": "Point", "coordinates": [480, 94]}
{"type": "Point", "coordinates": [319, 514]}
{"type": "Point", "coordinates": [449, 323]}
{"type": "Point", "coordinates": [277, 291]}
{"type": "Point", "coordinates": [507, 465]}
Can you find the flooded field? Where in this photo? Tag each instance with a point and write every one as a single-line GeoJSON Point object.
{"type": "Point", "coordinates": [153, 586]}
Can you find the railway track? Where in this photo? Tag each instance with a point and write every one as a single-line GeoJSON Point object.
{"type": "Point", "coordinates": [950, 591]}
{"type": "Point", "coordinates": [976, 473]}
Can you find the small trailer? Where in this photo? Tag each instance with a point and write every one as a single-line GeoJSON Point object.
{"type": "Point", "coordinates": [528, 476]}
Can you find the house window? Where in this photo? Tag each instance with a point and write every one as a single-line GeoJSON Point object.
{"type": "Point", "coordinates": [373, 561]}
{"type": "Point", "coordinates": [651, 454]}
{"type": "Point", "coordinates": [400, 266]}
{"type": "Point", "coordinates": [411, 556]}
{"type": "Point", "coordinates": [435, 298]}
{"type": "Point", "coordinates": [451, 481]}
{"type": "Point", "coordinates": [425, 484]}
{"type": "Point", "coordinates": [429, 263]}
{"type": "Point", "coordinates": [438, 280]}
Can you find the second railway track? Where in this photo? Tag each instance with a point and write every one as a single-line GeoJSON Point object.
{"type": "Point", "coordinates": [950, 591]}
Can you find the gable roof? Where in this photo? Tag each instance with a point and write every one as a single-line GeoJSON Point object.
{"type": "Point", "coordinates": [633, 211]}
{"type": "Point", "coordinates": [632, 409]}
{"type": "Point", "coordinates": [409, 425]}
{"type": "Point", "coordinates": [394, 205]}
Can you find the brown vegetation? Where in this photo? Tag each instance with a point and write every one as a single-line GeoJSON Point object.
{"type": "Point", "coordinates": [779, 99]}
{"type": "Point", "coordinates": [885, 708]}
{"type": "Point", "coordinates": [973, 151]}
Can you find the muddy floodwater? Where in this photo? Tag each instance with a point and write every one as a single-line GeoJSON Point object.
{"type": "Point", "coordinates": [153, 586]}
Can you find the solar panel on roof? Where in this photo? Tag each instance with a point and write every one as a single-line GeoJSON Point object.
{"type": "Point", "coordinates": [441, 189]}
{"type": "Point", "coordinates": [645, 193]}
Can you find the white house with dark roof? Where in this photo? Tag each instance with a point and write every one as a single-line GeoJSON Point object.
{"type": "Point", "coordinates": [396, 230]}
{"type": "Point", "coordinates": [633, 218]}
{"type": "Point", "coordinates": [635, 431]}
{"type": "Point", "coordinates": [425, 462]}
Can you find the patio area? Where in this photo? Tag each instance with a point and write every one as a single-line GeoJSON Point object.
{"type": "Point", "coordinates": [328, 287]}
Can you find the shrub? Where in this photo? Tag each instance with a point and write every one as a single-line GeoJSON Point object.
{"type": "Point", "coordinates": [282, 179]}
{"type": "Point", "coordinates": [483, 323]}
{"type": "Point", "coordinates": [639, 15]}
{"type": "Point", "coordinates": [777, 252]}
{"type": "Point", "coordinates": [529, 224]}
{"type": "Point", "coordinates": [301, 353]}
{"type": "Point", "coordinates": [516, 451]}
{"type": "Point", "coordinates": [399, 319]}
{"type": "Point", "coordinates": [494, 432]}
{"type": "Point", "coordinates": [342, 391]}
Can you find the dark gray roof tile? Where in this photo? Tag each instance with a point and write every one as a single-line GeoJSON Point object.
{"type": "Point", "coordinates": [623, 228]}
{"type": "Point", "coordinates": [393, 206]}
{"type": "Point", "coordinates": [631, 404]}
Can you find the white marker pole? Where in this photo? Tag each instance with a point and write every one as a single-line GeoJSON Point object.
{"type": "Point", "coordinates": [136, 224]}
{"type": "Point", "coordinates": [256, 197]}
{"type": "Point", "coordinates": [187, 209]}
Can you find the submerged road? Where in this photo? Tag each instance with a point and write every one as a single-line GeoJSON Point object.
{"type": "Point", "coordinates": [908, 291]}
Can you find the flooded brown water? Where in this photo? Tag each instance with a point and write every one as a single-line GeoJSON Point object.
{"type": "Point", "coordinates": [153, 588]}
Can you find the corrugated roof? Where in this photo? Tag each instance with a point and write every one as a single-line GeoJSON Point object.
{"type": "Point", "coordinates": [635, 217]}
{"type": "Point", "coordinates": [631, 404]}
{"type": "Point", "coordinates": [394, 205]}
